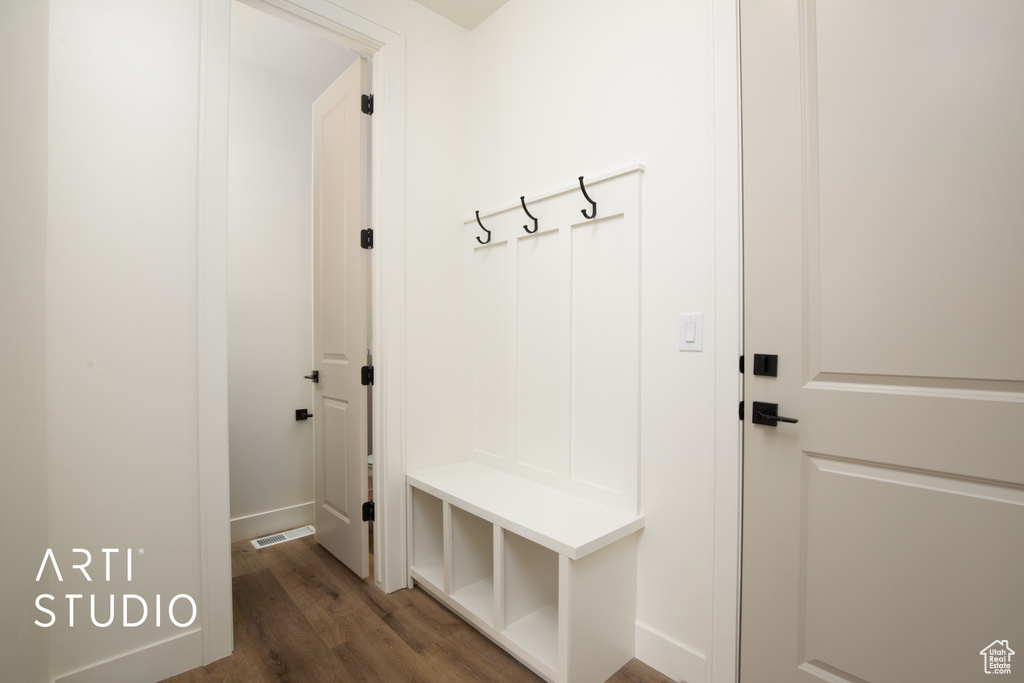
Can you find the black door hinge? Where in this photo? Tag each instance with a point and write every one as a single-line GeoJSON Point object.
{"type": "Point", "coordinates": [741, 365]}
{"type": "Point", "coordinates": [368, 511]}
{"type": "Point", "coordinates": [368, 105]}
{"type": "Point", "coordinates": [741, 410]}
{"type": "Point", "coordinates": [366, 238]}
{"type": "Point", "coordinates": [367, 375]}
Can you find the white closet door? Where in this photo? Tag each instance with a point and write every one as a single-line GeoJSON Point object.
{"type": "Point", "coordinates": [341, 285]}
{"type": "Point", "coordinates": [883, 165]}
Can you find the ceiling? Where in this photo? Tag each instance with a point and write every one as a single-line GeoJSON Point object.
{"type": "Point", "coordinates": [466, 13]}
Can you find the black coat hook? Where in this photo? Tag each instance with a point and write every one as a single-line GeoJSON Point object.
{"type": "Point", "coordinates": [522, 200]}
{"type": "Point", "coordinates": [593, 204]}
{"type": "Point", "coordinates": [482, 228]}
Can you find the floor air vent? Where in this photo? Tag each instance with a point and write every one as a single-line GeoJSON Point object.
{"type": "Point", "coordinates": [282, 537]}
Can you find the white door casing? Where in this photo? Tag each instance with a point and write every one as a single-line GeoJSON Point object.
{"type": "Point", "coordinates": [341, 291]}
{"type": "Point", "coordinates": [388, 198]}
{"type": "Point", "coordinates": [883, 158]}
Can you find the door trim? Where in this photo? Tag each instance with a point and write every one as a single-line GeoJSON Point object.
{"type": "Point", "coordinates": [723, 654]}
{"type": "Point", "coordinates": [387, 202]}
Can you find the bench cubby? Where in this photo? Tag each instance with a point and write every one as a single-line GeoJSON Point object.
{"type": "Point", "coordinates": [549, 576]}
{"type": "Point", "coordinates": [427, 548]}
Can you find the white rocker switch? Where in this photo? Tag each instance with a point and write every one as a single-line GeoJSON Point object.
{"type": "Point", "coordinates": [691, 331]}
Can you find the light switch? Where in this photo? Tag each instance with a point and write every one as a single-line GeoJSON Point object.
{"type": "Point", "coordinates": [691, 331]}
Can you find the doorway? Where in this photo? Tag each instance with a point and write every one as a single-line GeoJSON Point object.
{"type": "Point", "coordinates": [387, 152]}
{"type": "Point", "coordinates": [278, 70]}
{"type": "Point", "coordinates": [293, 287]}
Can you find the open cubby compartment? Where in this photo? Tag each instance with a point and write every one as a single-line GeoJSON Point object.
{"type": "Point", "coordinates": [530, 597]}
{"type": "Point", "coordinates": [547, 575]}
{"type": "Point", "coordinates": [472, 564]}
{"type": "Point", "coordinates": [427, 537]}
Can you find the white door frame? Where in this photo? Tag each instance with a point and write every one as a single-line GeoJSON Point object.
{"type": "Point", "coordinates": [387, 149]}
{"type": "Point", "coordinates": [723, 655]}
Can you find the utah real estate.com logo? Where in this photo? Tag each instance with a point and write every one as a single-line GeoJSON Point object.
{"type": "Point", "coordinates": [997, 657]}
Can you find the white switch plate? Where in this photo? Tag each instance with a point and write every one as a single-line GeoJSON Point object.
{"type": "Point", "coordinates": [691, 331]}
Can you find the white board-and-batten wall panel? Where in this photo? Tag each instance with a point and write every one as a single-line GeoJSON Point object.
{"type": "Point", "coordinates": [556, 339]}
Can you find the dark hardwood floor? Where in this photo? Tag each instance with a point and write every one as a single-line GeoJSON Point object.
{"type": "Point", "coordinates": [300, 616]}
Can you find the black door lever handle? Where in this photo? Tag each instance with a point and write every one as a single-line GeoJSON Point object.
{"type": "Point", "coordinates": [767, 414]}
{"type": "Point", "coordinates": [315, 376]}
{"type": "Point", "coordinates": [760, 418]}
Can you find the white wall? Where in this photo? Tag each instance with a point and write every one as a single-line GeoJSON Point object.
{"type": "Point", "coordinates": [436, 332]}
{"type": "Point", "coordinates": [269, 274]}
{"type": "Point", "coordinates": [269, 300]}
{"type": "Point", "coordinates": [120, 282]}
{"type": "Point", "coordinates": [121, 307]}
{"type": "Point", "coordinates": [24, 648]}
{"type": "Point", "coordinates": [568, 88]}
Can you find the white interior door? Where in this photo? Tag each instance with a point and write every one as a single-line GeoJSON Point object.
{"type": "Point", "coordinates": [883, 246]}
{"type": "Point", "coordinates": [341, 286]}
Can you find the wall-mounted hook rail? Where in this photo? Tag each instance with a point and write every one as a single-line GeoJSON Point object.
{"type": "Point", "coordinates": [522, 200]}
{"type": "Point", "coordinates": [482, 228]}
{"type": "Point", "coordinates": [593, 204]}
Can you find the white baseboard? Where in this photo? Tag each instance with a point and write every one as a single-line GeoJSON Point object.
{"type": "Point", "coordinates": [271, 522]}
{"type": "Point", "coordinates": [154, 662]}
{"type": "Point", "coordinates": [669, 656]}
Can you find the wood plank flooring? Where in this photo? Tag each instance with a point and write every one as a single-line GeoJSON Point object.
{"type": "Point", "coordinates": [300, 616]}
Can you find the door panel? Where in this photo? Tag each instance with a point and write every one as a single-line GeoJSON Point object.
{"type": "Point", "coordinates": [912, 114]}
{"type": "Point", "coordinates": [337, 482]}
{"type": "Point", "coordinates": [887, 556]}
{"type": "Point", "coordinates": [335, 238]}
{"type": "Point", "coordinates": [340, 309]}
{"type": "Point", "coordinates": [882, 244]}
